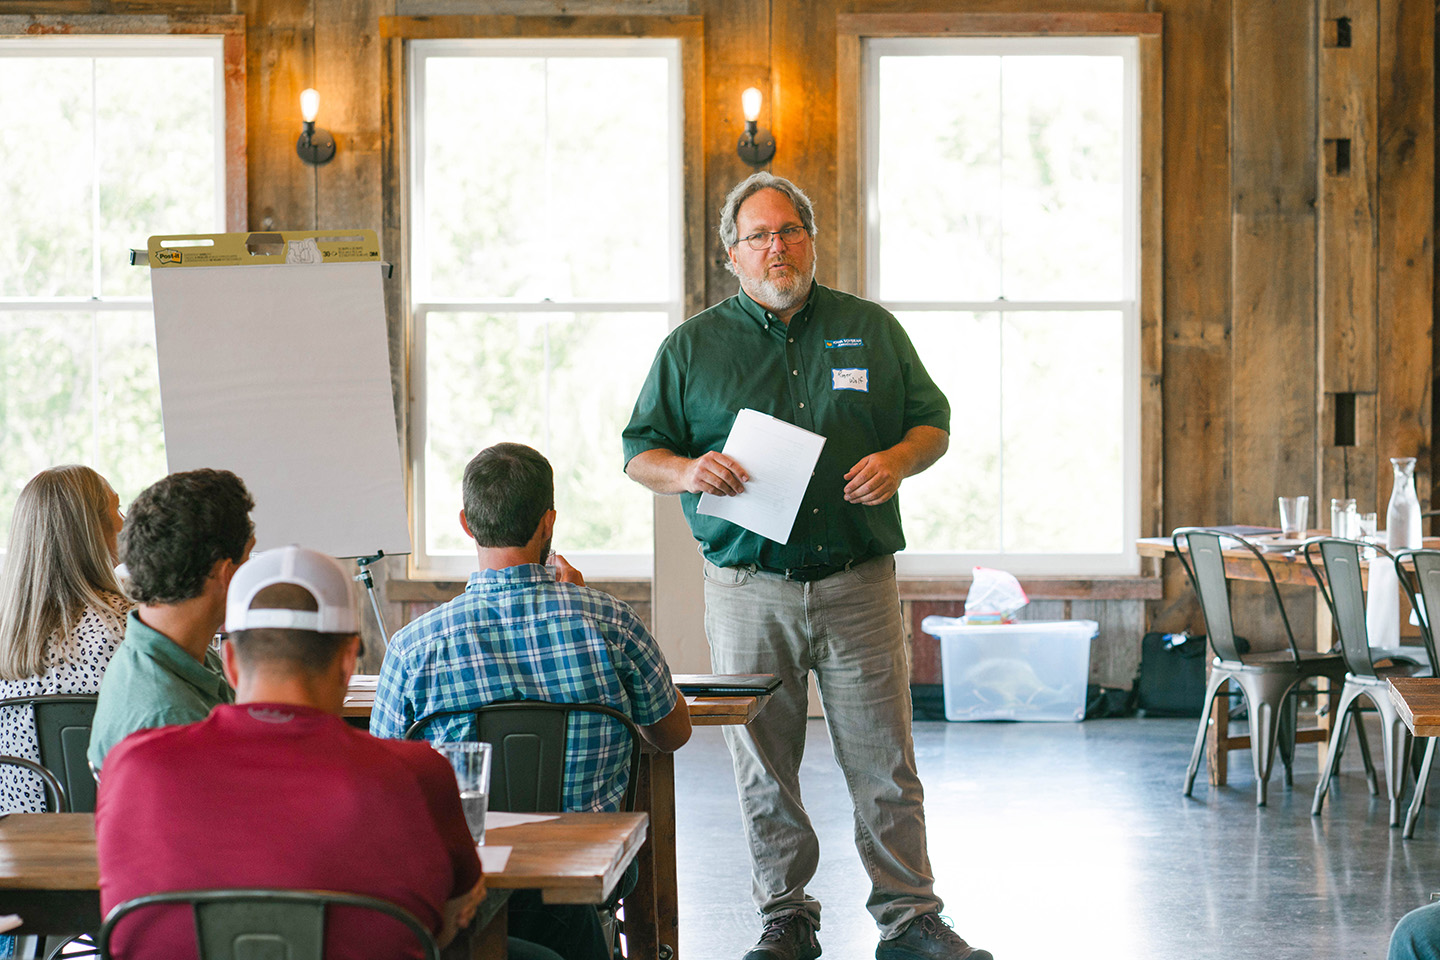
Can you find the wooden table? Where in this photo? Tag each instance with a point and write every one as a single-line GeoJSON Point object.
{"type": "Point", "coordinates": [1418, 700]}
{"type": "Point", "coordinates": [656, 922]}
{"type": "Point", "coordinates": [48, 873]}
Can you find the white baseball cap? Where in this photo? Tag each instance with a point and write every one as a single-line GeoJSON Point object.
{"type": "Point", "coordinates": [321, 575]}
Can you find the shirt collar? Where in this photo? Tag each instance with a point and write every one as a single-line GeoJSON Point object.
{"type": "Point", "coordinates": [524, 574]}
{"type": "Point", "coordinates": [152, 643]}
{"type": "Point", "coordinates": [765, 318]}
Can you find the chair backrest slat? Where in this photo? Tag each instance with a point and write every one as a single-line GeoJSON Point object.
{"type": "Point", "coordinates": [1201, 553]}
{"type": "Point", "coordinates": [1343, 587]}
{"type": "Point", "coordinates": [529, 739]}
{"type": "Point", "coordinates": [1419, 574]}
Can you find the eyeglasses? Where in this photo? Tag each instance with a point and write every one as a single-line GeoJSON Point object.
{"type": "Point", "coordinates": [761, 240]}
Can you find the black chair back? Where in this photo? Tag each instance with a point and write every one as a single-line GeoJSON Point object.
{"type": "Point", "coordinates": [1342, 585]}
{"type": "Point", "coordinates": [55, 801]}
{"type": "Point", "coordinates": [1200, 553]}
{"type": "Point", "coordinates": [232, 924]}
{"type": "Point", "coordinates": [529, 739]}
{"type": "Point", "coordinates": [62, 727]}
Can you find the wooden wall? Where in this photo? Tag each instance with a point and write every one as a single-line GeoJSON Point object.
{"type": "Point", "coordinates": [1290, 278]}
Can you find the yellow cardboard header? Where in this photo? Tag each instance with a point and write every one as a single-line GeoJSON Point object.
{"type": "Point", "coordinates": [275, 246]}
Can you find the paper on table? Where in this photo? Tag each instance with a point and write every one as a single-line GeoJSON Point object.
{"type": "Point", "coordinates": [364, 681]}
{"type": "Point", "coordinates": [495, 819]}
{"type": "Point", "coordinates": [493, 859]}
{"type": "Point", "coordinates": [779, 458]}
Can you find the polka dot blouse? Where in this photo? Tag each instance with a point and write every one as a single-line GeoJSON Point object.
{"type": "Point", "coordinates": [73, 664]}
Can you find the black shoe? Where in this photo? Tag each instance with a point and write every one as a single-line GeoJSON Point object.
{"type": "Point", "coordinates": [788, 937]}
{"type": "Point", "coordinates": [929, 938]}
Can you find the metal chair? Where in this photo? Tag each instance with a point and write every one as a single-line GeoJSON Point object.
{"type": "Point", "coordinates": [1419, 574]}
{"type": "Point", "coordinates": [529, 737]}
{"type": "Point", "coordinates": [1342, 586]}
{"type": "Point", "coordinates": [54, 790]}
{"type": "Point", "coordinates": [248, 923]}
{"type": "Point", "coordinates": [1267, 679]}
{"type": "Point", "coordinates": [62, 727]}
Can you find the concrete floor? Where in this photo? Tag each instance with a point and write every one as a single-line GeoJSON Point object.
{"type": "Point", "coordinates": [1072, 841]}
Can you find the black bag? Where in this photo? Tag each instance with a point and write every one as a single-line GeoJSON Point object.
{"type": "Point", "coordinates": [1172, 675]}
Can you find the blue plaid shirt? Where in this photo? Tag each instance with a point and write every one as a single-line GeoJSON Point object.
{"type": "Point", "coordinates": [518, 634]}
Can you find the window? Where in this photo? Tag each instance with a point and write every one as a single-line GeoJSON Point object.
{"type": "Point", "coordinates": [546, 266]}
{"type": "Point", "coordinates": [106, 141]}
{"type": "Point", "coordinates": [1002, 228]}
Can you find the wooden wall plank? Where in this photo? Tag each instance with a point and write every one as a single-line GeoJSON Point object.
{"type": "Point", "coordinates": [802, 54]}
{"type": "Point", "coordinates": [1347, 201]}
{"type": "Point", "coordinates": [281, 63]}
{"type": "Point", "coordinates": [1405, 236]}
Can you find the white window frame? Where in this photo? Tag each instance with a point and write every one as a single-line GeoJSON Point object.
{"type": "Point", "coordinates": [1125, 562]}
{"type": "Point", "coordinates": [117, 46]}
{"type": "Point", "coordinates": [596, 564]}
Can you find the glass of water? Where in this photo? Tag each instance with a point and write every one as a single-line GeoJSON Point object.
{"type": "Point", "coordinates": [471, 763]}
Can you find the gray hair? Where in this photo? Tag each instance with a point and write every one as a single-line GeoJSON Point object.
{"type": "Point", "coordinates": [753, 184]}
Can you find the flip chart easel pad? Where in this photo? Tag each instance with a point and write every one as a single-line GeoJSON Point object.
{"type": "Point", "coordinates": [779, 458]}
{"type": "Point", "coordinates": [281, 373]}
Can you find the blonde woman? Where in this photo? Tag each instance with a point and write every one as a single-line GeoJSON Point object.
{"type": "Point", "coordinates": [62, 611]}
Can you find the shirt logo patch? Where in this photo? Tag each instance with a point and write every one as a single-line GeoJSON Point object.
{"type": "Point", "coordinates": [848, 342]}
{"type": "Point", "coordinates": [850, 378]}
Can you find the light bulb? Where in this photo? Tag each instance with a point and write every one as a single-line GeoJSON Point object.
{"type": "Point", "coordinates": [309, 104]}
{"type": "Point", "coordinates": [750, 103]}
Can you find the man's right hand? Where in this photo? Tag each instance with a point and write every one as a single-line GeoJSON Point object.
{"type": "Point", "coordinates": [715, 473]}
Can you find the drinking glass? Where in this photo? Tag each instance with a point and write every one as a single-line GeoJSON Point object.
{"type": "Point", "coordinates": [1344, 518]}
{"type": "Point", "coordinates": [471, 763]}
{"type": "Point", "coordinates": [1294, 515]}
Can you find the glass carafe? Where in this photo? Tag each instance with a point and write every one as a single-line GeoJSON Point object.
{"type": "Point", "coordinates": [1402, 519]}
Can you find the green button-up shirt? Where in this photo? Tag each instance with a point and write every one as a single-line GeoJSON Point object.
{"type": "Point", "coordinates": [152, 682]}
{"type": "Point", "coordinates": [843, 367]}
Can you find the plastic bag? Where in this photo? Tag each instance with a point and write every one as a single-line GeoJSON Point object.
{"type": "Point", "coordinates": [994, 597]}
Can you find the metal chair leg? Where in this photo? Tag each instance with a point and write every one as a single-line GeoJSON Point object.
{"type": "Point", "coordinates": [1217, 677]}
{"type": "Point", "coordinates": [1332, 756]}
{"type": "Point", "coordinates": [1421, 782]}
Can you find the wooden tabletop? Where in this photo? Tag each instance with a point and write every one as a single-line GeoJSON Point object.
{"type": "Point", "coordinates": [1418, 699]}
{"type": "Point", "coordinates": [575, 858]}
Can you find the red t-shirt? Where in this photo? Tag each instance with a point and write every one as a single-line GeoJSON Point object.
{"type": "Point", "coordinates": [270, 795]}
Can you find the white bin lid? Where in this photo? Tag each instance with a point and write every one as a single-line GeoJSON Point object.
{"type": "Point", "coordinates": [942, 627]}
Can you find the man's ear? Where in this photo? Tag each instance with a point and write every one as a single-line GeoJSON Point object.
{"type": "Point", "coordinates": [231, 663]}
{"type": "Point", "coordinates": [547, 525]}
{"type": "Point", "coordinates": [349, 654]}
{"type": "Point", "coordinates": [465, 525]}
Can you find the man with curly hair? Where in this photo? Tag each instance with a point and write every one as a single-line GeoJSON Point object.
{"type": "Point", "coordinates": [182, 541]}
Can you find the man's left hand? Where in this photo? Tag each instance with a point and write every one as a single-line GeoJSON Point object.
{"type": "Point", "coordinates": [874, 479]}
{"type": "Point", "coordinates": [564, 573]}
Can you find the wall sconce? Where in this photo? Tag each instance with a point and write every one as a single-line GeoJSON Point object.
{"type": "Point", "coordinates": [756, 146]}
{"type": "Point", "coordinates": [314, 146]}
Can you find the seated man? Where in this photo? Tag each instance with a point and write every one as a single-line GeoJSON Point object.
{"type": "Point", "coordinates": [278, 791]}
{"type": "Point", "coordinates": [523, 632]}
{"type": "Point", "coordinates": [183, 540]}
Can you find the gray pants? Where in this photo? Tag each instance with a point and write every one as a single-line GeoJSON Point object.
{"type": "Point", "coordinates": [846, 628]}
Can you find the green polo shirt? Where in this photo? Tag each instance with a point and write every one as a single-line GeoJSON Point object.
{"type": "Point", "coordinates": [843, 367]}
{"type": "Point", "coordinates": [152, 682]}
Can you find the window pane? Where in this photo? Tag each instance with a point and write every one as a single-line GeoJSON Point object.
{"type": "Point", "coordinates": [1063, 394]}
{"type": "Point", "coordinates": [46, 191]}
{"type": "Point", "coordinates": [66, 398]}
{"type": "Point", "coordinates": [939, 178]}
{"type": "Point", "coordinates": [955, 505]}
{"type": "Point", "coordinates": [163, 182]}
{"type": "Point", "coordinates": [523, 161]}
{"type": "Point", "coordinates": [562, 383]}
{"type": "Point", "coordinates": [1063, 172]}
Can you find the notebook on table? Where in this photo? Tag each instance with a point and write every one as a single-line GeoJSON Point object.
{"type": "Point", "coordinates": [726, 684]}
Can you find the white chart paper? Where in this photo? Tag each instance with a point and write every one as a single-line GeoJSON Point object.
{"type": "Point", "coordinates": [780, 459]}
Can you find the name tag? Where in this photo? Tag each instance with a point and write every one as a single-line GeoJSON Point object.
{"type": "Point", "coordinates": [850, 378]}
{"type": "Point", "coordinates": [849, 342]}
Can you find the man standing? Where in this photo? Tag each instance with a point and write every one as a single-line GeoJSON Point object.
{"type": "Point", "coordinates": [183, 540]}
{"type": "Point", "coordinates": [277, 791]}
{"type": "Point", "coordinates": [522, 631]}
{"type": "Point", "coordinates": [826, 600]}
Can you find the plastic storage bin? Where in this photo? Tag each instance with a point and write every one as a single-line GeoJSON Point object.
{"type": "Point", "coordinates": [1031, 670]}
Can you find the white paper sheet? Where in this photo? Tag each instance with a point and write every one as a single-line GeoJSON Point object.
{"type": "Point", "coordinates": [780, 458]}
{"type": "Point", "coordinates": [493, 859]}
{"type": "Point", "coordinates": [364, 681]}
{"type": "Point", "coordinates": [495, 819]}
{"type": "Point", "coordinates": [10, 921]}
